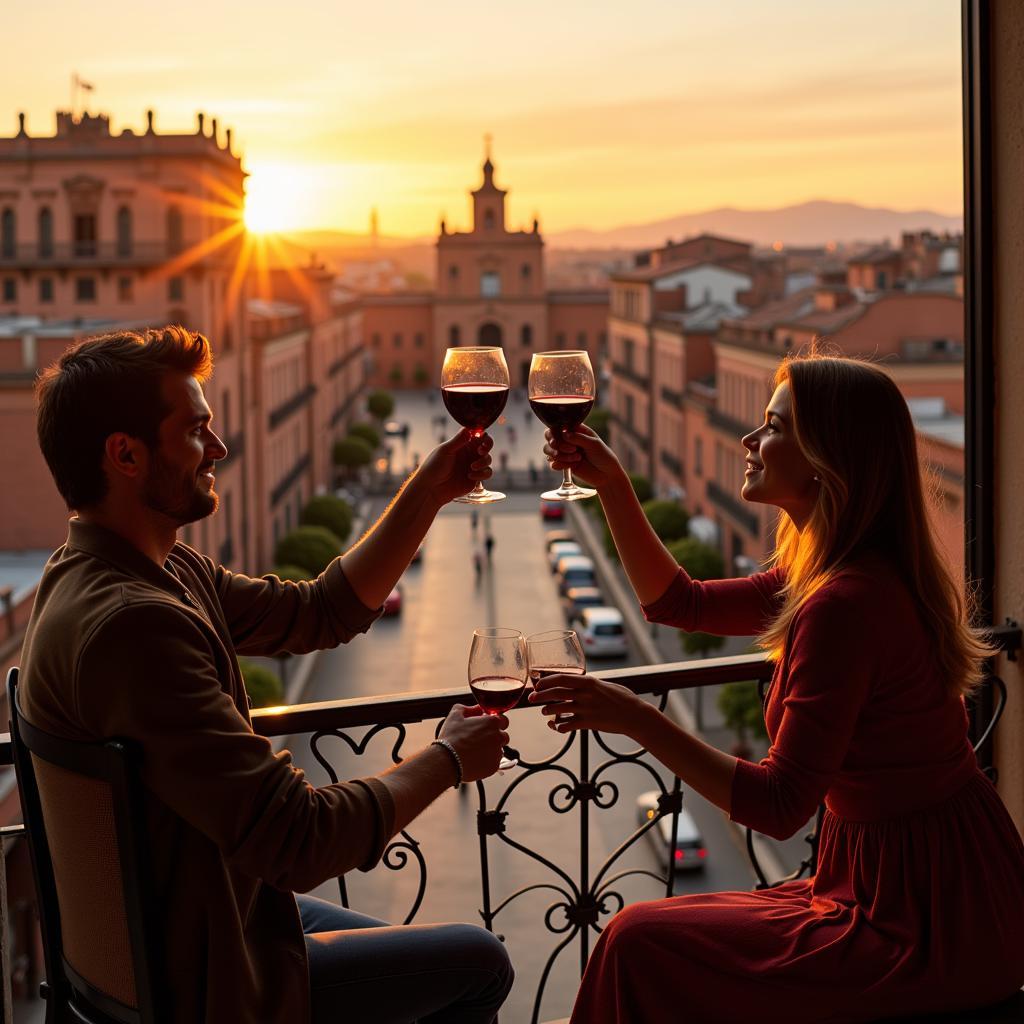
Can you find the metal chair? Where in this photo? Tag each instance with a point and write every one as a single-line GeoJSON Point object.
{"type": "Point", "coordinates": [100, 783]}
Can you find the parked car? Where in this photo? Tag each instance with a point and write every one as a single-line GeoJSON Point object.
{"type": "Point", "coordinates": [552, 509]}
{"type": "Point", "coordinates": [556, 537]}
{"type": "Point", "coordinates": [561, 550]}
{"type": "Point", "coordinates": [601, 633]}
{"type": "Point", "coordinates": [393, 602]}
{"type": "Point", "coordinates": [574, 571]}
{"type": "Point", "coordinates": [578, 598]}
{"type": "Point", "coordinates": [691, 853]}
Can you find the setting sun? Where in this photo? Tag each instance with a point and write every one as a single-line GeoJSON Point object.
{"type": "Point", "coordinates": [272, 199]}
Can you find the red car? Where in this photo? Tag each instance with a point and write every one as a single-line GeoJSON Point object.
{"type": "Point", "coordinates": [552, 509]}
{"type": "Point", "coordinates": [393, 604]}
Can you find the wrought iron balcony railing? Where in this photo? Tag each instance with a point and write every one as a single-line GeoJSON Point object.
{"type": "Point", "coordinates": [582, 775]}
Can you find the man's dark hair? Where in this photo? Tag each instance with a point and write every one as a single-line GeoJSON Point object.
{"type": "Point", "coordinates": [106, 385]}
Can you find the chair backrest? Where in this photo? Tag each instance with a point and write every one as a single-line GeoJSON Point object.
{"type": "Point", "coordinates": [83, 801]}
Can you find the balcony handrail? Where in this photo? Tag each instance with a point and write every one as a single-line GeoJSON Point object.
{"type": "Point", "coordinates": [406, 708]}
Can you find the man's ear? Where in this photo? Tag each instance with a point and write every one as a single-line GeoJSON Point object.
{"type": "Point", "coordinates": [124, 455]}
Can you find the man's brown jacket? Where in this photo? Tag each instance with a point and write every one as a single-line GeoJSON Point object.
{"type": "Point", "coordinates": [118, 646]}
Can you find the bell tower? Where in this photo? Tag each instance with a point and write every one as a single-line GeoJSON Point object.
{"type": "Point", "coordinates": [488, 200]}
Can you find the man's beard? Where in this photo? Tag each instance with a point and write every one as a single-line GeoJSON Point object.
{"type": "Point", "coordinates": [176, 496]}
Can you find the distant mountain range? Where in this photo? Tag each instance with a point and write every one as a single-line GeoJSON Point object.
{"type": "Point", "coordinates": [812, 223]}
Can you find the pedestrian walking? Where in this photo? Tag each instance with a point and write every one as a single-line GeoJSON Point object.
{"type": "Point", "coordinates": [478, 565]}
{"type": "Point", "coordinates": [489, 547]}
{"type": "Point", "coordinates": [474, 520]}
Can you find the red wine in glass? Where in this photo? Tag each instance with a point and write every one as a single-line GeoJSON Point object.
{"type": "Point", "coordinates": [475, 405]}
{"type": "Point", "coordinates": [562, 412]}
{"type": "Point", "coordinates": [497, 694]}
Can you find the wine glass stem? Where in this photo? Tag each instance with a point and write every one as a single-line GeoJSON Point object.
{"type": "Point", "coordinates": [479, 488]}
{"type": "Point", "coordinates": [567, 481]}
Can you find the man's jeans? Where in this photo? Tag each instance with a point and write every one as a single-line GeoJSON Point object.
{"type": "Point", "coordinates": [362, 971]}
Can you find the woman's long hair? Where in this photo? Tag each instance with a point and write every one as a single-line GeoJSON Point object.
{"type": "Point", "coordinates": [855, 430]}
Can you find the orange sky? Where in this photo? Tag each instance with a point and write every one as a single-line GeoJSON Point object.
{"type": "Point", "coordinates": [603, 113]}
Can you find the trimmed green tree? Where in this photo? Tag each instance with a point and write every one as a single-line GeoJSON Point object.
{"type": "Point", "coordinates": [396, 375]}
{"type": "Point", "coordinates": [668, 519]}
{"type": "Point", "coordinates": [295, 573]}
{"type": "Point", "coordinates": [380, 404]}
{"type": "Point", "coordinates": [741, 708]}
{"type": "Point", "coordinates": [352, 454]}
{"type": "Point", "coordinates": [599, 421]}
{"type": "Point", "coordinates": [312, 548]}
{"type": "Point", "coordinates": [641, 487]}
{"type": "Point", "coordinates": [700, 560]}
{"type": "Point", "coordinates": [368, 432]}
{"type": "Point", "coordinates": [327, 510]}
{"type": "Point", "coordinates": [262, 684]}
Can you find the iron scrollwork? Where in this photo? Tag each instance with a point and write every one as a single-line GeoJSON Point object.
{"type": "Point", "coordinates": [403, 848]}
{"type": "Point", "coordinates": [580, 903]}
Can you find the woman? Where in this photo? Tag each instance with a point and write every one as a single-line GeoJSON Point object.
{"type": "Point", "coordinates": [918, 901]}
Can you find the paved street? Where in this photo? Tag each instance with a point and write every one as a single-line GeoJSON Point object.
{"type": "Point", "coordinates": [426, 648]}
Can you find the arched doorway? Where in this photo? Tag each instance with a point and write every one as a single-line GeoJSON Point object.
{"type": "Point", "coordinates": [489, 334]}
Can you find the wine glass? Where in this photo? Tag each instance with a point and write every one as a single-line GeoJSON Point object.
{"type": "Point", "coordinates": [474, 386]}
{"type": "Point", "coordinates": [562, 393]}
{"type": "Point", "coordinates": [498, 674]}
{"type": "Point", "coordinates": [556, 650]}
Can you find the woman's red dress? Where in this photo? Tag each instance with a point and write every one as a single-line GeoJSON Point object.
{"type": "Point", "coordinates": [918, 901]}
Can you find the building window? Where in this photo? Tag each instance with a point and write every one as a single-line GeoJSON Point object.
{"type": "Point", "coordinates": [176, 289]}
{"type": "Point", "coordinates": [45, 233]}
{"type": "Point", "coordinates": [10, 289]}
{"type": "Point", "coordinates": [7, 225]}
{"type": "Point", "coordinates": [124, 231]}
{"type": "Point", "coordinates": [581, 339]}
{"type": "Point", "coordinates": [526, 334]}
{"type": "Point", "coordinates": [375, 340]}
{"type": "Point", "coordinates": [84, 231]}
{"type": "Point", "coordinates": [488, 218]}
{"type": "Point", "coordinates": [85, 289]}
{"type": "Point", "coordinates": [698, 456]}
{"type": "Point", "coordinates": [454, 336]}
{"type": "Point", "coordinates": [125, 289]}
{"type": "Point", "coordinates": [560, 339]}
{"type": "Point", "coordinates": [880, 280]}
{"type": "Point", "coordinates": [46, 289]}
{"type": "Point", "coordinates": [490, 284]}
{"type": "Point", "coordinates": [418, 340]}
{"type": "Point", "coordinates": [524, 271]}
{"type": "Point", "coordinates": [453, 273]}
{"type": "Point", "coordinates": [396, 340]}
{"type": "Point", "coordinates": [175, 232]}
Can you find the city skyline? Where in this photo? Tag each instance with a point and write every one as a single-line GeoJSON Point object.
{"type": "Point", "coordinates": [597, 121]}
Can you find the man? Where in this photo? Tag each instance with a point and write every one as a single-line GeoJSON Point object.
{"type": "Point", "coordinates": [134, 635]}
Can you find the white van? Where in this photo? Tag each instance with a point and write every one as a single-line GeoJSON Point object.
{"type": "Point", "coordinates": [602, 633]}
{"type": "Point", "coordinates": [574, 571]}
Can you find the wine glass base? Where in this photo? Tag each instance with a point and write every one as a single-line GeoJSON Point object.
{"type": "Point", "coordinates": [484, 498]}
{"type": "Point", "coordinates": [507, 763]}
{"type": "Point", "coordinates": [569, 494]}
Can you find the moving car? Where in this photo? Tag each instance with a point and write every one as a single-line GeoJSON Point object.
{"type": "Point", "coordinates": [578, 598]}
{"type": "Point", "coordinates": [552, 509]}
{"type": "Point", "coordinates": [691, 853]}
{"type": "Point", "coordinates": [602, 633]}
{"type": "Point", "coordinates": [574, 571]}
{"type": "Point", "coordinates": [560, 550]}
{"type": "Point", "coordinates": [556, 537]}
{"type": "Point", "coordinates": [393, 602]}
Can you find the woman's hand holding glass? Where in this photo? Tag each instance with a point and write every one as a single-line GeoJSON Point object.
{"type": "Point", "coordinates": [585, 454]}
{"type": "Point", "coordinates": [574, 702]}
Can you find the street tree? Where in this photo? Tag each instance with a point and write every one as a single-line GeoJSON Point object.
{"type": "Point", "coordinates": [368, 432]}
{"type": "Point", "coordinates": [312, 548]}
{"type": "Point", "coordinates": [327, 510]}
{"type": "Point", "coordinates": [380, 404]}
{"type": "Point", "coordinates": [352, 454]}
{"type": "Point", "coordinates": [295, 573]}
